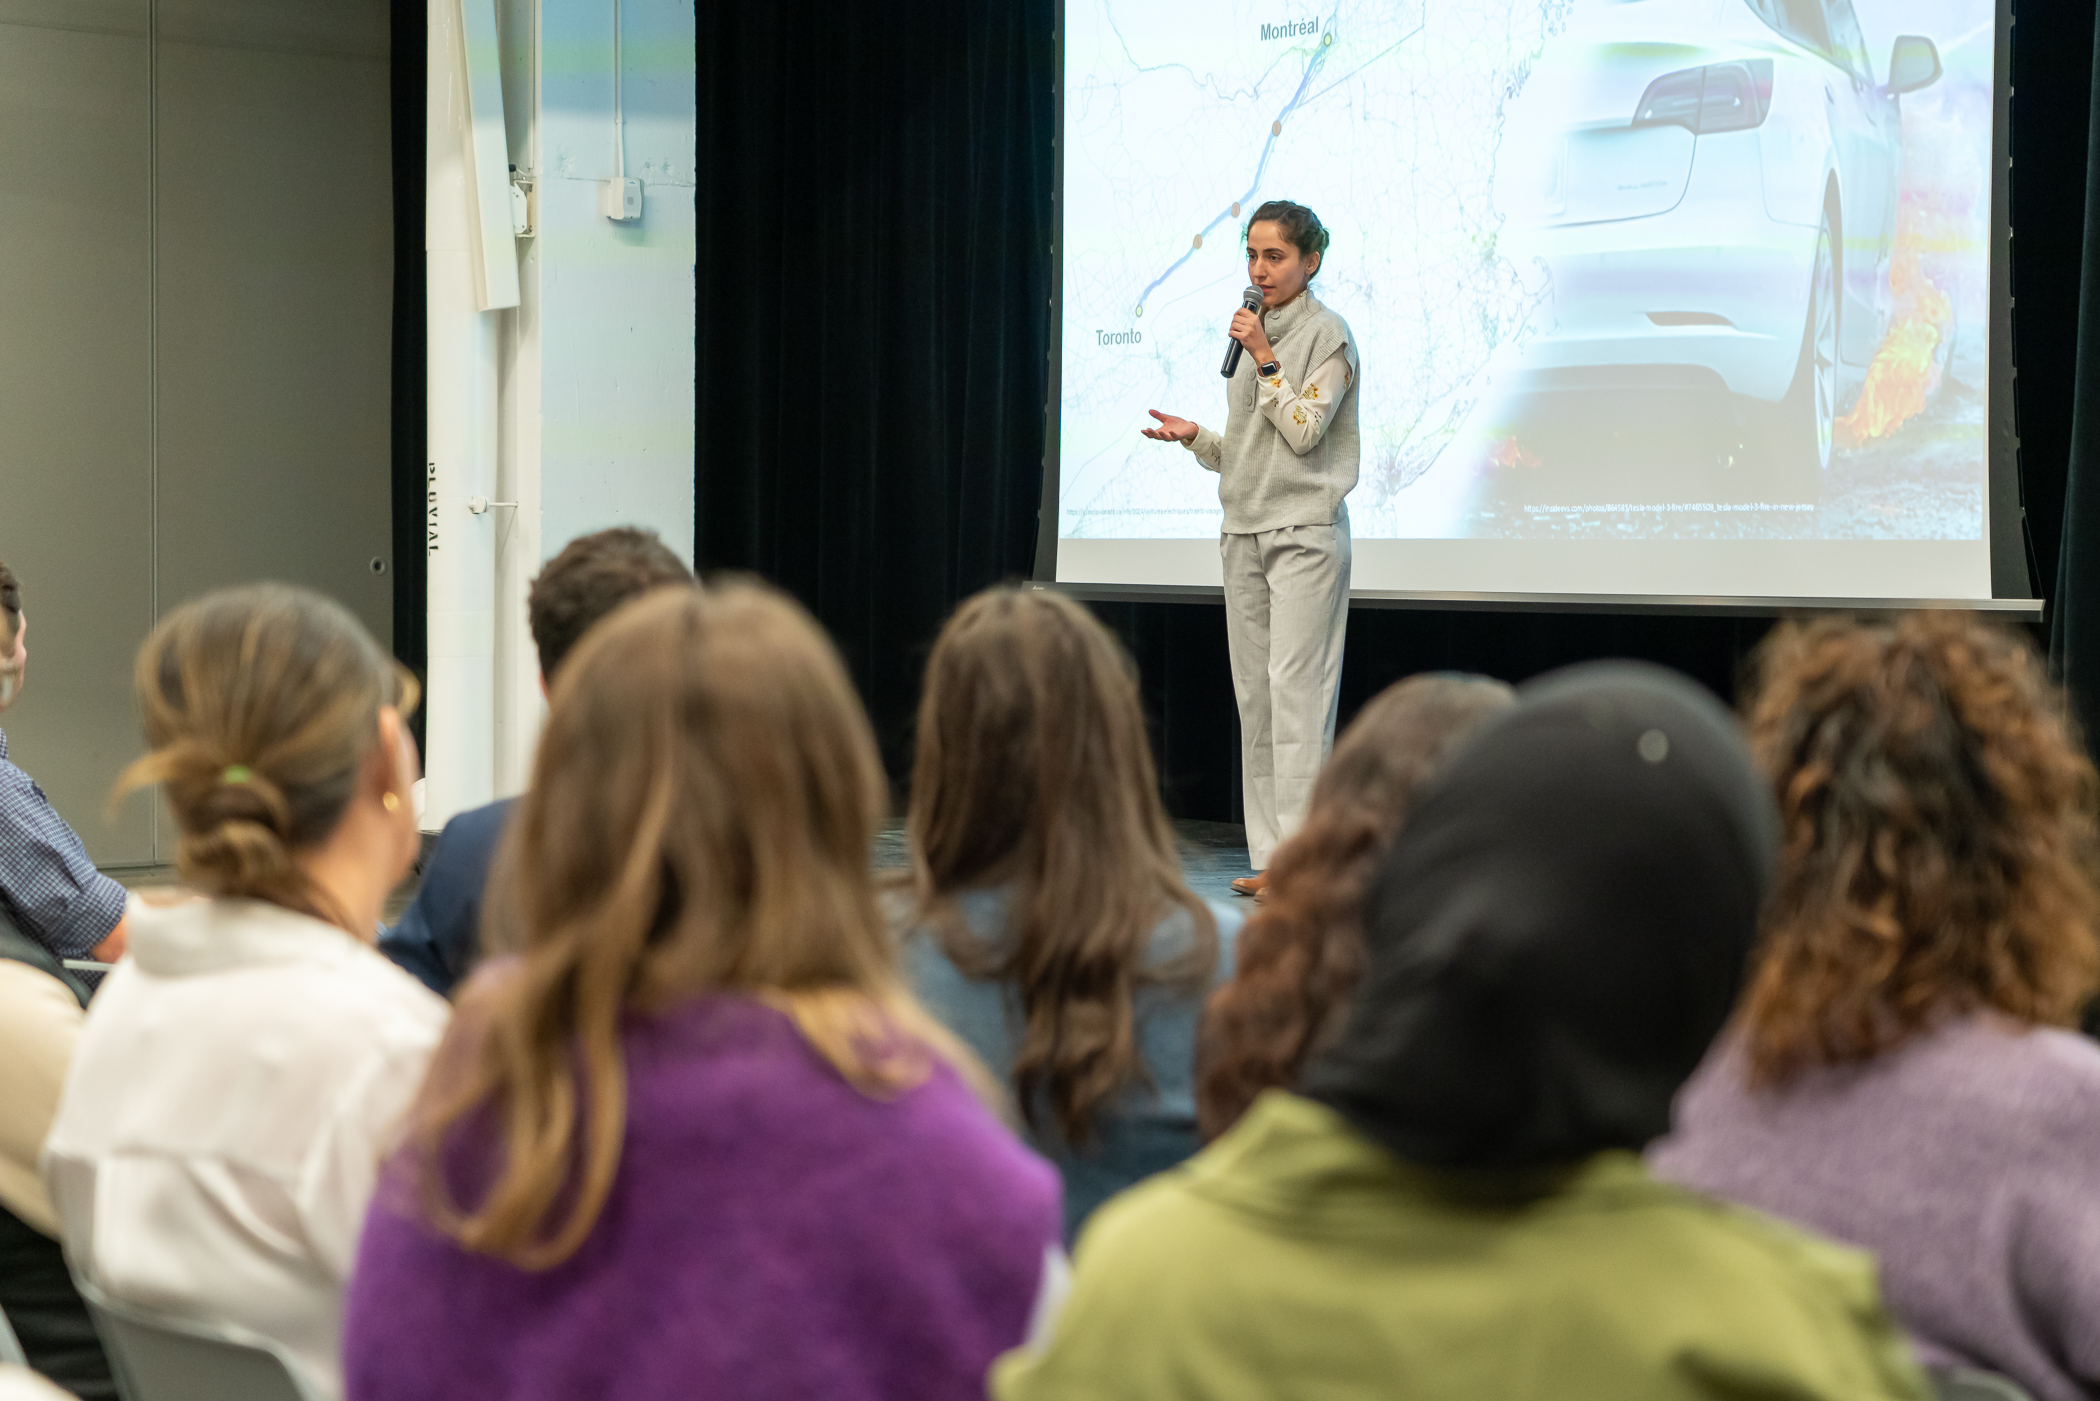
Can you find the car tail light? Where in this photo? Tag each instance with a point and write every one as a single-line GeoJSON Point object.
{"type": "Point", "coordinates": [1718, 97]}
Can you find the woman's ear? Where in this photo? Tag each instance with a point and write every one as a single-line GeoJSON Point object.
{"type": "Point", "coordinates": [1312, 267]}
{"type": "Point", "coordinates": [392, 767]}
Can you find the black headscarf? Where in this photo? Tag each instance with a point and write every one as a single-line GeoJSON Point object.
{"type": "Point", "coordinates": [1560, 929]}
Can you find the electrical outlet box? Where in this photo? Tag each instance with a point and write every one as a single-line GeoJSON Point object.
{"type": "Point", "coordinates": [621, 198]}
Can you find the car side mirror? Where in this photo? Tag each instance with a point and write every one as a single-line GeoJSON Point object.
{"type": "Point", "coordinates": [1914, 63]}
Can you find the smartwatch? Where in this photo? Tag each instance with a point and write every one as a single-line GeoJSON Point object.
{"type": "Point", "coordinates": [1270, 370]}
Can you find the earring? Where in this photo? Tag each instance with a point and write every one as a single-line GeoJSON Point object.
{"type": "Point", "coordinates": [390, 800]}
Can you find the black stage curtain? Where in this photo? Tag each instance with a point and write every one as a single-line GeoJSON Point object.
{"type": "Point", "coordinates": [411, 361]}
{"type": "Point", "coordinates": [871, 359]}
{"type": "Point", "coordinates": [2068, 298]}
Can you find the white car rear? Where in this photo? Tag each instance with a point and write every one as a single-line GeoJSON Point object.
{"type": "Point", "coordinates": [1700, 180]}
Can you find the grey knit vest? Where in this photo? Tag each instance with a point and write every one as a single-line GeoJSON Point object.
{"type": "Point", "coordinates": [1264, 485]}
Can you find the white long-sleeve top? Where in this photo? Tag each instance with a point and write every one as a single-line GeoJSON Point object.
{"type": "Point", "coordinates": [240, 1076]}
{"type": "Point", "coordinates": [1300, 415]}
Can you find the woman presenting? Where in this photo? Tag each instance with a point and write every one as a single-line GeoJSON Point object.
{"type": "Point", "coordinates": [1285, 463]}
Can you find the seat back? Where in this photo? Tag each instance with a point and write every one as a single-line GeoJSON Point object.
{"type": "Point", "coordinates": [1968, 1384]}
{"type": "Point", "coordinates": [160, 1358]}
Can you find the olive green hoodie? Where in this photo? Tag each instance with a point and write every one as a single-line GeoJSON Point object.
{"type": "Point", "coordinates": [1295, 1260]}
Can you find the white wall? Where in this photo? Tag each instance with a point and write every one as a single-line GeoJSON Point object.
{"type": "Point", "coordinates": [596, 362]}
{"type": "Point", "coordinates": [616, 299]}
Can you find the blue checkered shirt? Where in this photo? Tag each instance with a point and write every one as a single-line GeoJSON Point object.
{"type": "Point", "coordinates": [48, 887]}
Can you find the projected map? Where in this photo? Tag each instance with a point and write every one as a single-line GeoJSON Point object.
{"type": "Point", "coordinates": [1179, 119]}
{"type": "Point", "coordinates": [1654, 269]}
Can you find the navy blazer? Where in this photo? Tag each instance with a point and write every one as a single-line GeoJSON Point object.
{"type": "Point", "coordinates": [439, 936]}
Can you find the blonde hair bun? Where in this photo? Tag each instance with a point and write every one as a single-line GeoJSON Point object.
{"type": "Point", "coordinates": [260, 704]}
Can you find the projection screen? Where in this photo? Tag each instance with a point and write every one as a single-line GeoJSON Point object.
{"type": "Point", "coordinates": [1655, 300]}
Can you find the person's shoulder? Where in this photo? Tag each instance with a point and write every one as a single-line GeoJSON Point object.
{"type": "Point", "coordinates": [1327, 315]}
{"type": "Point", "coordinates": [1231, 920]}
{"type": "Point", "coordinates": [2001, 1078]}
{"type": "Point", "coordinates": [356, 1009]}
{"type": "Point", "coordinates": [396, 994]}
{"type": "Point", "coordinates": [476, 831]}
{"type": "Point", "coordinates": [35, 1004]}
{"type": "Point", "coordinates": [26, 984]}
{"type": "Point", "coordinates": [1701, 1245]}
{"type": "Point", "coordinates": [1172, 936]}
{"type": "Point", "coordinates": [2057, 1061]}
{"type": "Point", "coordinates": [961, 1135]}
{"type": "Point", "coordinates": [1692, 1277]}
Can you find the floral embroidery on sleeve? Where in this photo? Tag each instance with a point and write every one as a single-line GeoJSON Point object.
{"type": "Point", "coordinates": [1312, 391]}
{"type": "Point", "coordinates": [1298, 415]}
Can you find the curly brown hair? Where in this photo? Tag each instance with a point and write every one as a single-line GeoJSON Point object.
{"type": "Point", "coordinates": [1938, 844]}
{"type": "Point", "coordinates": [1301, 955]}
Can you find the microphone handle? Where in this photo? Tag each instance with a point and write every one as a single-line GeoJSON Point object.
{"type": "Point", "coordinates": [1232, 359]}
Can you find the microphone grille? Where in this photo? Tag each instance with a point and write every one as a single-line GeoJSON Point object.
{"type": "Point", "coordinates": [1251, 299]}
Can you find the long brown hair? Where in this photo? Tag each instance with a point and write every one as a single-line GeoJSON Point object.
{"type": "Point", "coordinates": [1300, 957]}
{"type": "Point", "coordinates": [700, 819]}
{"type": "Point", "coordinates": [1939, 839]}
{"type": "Point", "coordinates": [260, 704]}
{"type": "Point", "coordinates": [1033, 771]}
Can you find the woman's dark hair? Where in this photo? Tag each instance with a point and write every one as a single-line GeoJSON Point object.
{"type": "Point", "coordinates": [1033, 771]}
{"type": "Point", "coordinates": [1939, 839]}
{"type": "Point", "coordinates": [1301, 956]}
{"type": "Point", "coordinates": [1301, 228]}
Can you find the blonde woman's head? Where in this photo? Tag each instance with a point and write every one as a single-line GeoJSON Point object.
{"type": "Point", "coordinates": [274, 719]}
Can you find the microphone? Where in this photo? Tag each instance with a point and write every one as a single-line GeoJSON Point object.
{"type": "Point", "coordinates": [1251, 300]}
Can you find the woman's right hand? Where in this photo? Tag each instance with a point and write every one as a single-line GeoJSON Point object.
{"type": "Point", "coordinates": [1171, 429]}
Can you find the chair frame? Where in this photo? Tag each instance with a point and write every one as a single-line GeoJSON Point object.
{"type": "Point", "coordinates": [101, 1305]}
{"type": "Point", "coordinates": [10, 1345]}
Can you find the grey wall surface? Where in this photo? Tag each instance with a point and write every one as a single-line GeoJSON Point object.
{"type": "Point", "coordinates": [195, 291]}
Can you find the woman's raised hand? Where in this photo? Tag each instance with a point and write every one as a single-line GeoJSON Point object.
{"type": "Point", "coordinates": [1171, 429]}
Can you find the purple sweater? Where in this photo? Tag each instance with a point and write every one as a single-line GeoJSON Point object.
{"type": "Point", "coordinates": [1967, 1160]}
{"type": "Point", "coordinates": [771, 1233]}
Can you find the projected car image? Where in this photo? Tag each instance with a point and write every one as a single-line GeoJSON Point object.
{"type": "Point", "coordinates": [1711, 189]}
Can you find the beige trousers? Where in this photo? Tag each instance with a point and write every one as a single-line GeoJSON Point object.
{"type": "Point", "coordinates": [1286, 612]}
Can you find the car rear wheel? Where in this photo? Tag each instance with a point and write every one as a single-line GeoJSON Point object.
{"type": "Point", "coordinates": [1805, 421]}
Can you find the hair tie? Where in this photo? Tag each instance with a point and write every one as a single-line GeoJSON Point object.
{"type": "Point", "coordinates": [235, 773]}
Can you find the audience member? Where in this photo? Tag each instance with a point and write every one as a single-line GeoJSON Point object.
{"type": "Point", "coordinates": [49, 889]}
{"type": "Point", "coordinates": [694, 1138]}
{"type": "Point", "coordinates": [242, 1070]}
{"type": "Point", "coordinates": [1456, 1208]}
{"type": "Point", "coordinates": [1901, 1075]}
{"type": "Point", "coordinates": [1301, 955]}
{"type": "Point", "coordinates": [439, 934]}
{"type": "Point", "coordinates": [1051, 927]}
{"type": "Point", "coordinates": [40, 1017]}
